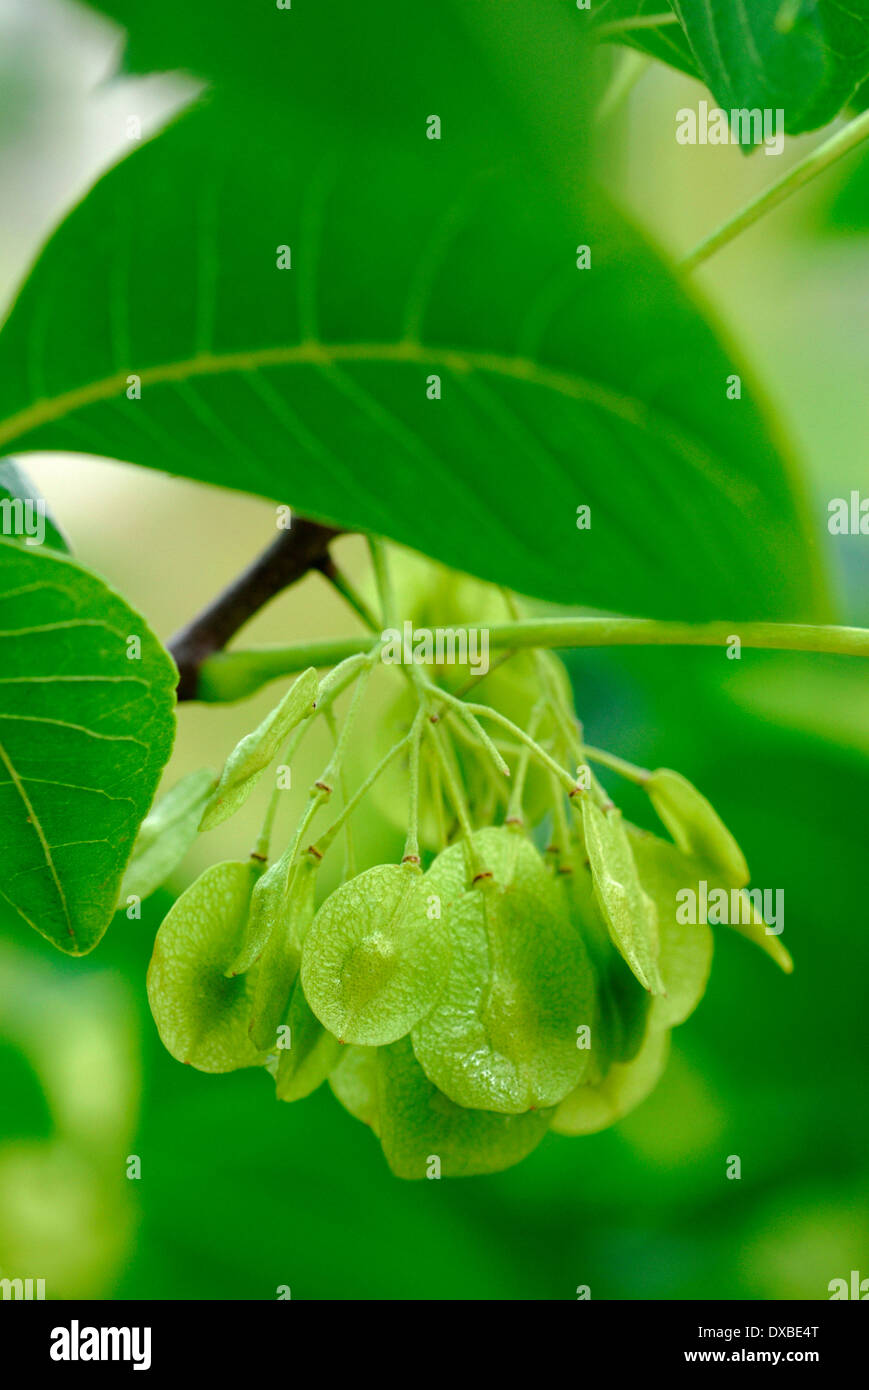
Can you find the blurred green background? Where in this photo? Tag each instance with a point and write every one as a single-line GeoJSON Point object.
{"type": "Point", "coordinates": [239, 1194]}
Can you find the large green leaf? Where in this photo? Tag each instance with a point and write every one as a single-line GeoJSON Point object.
{"type": "Point", "coordinates": [410, 258]}
{"type": "Point", "coordinates": [86, 726]}
{"type": "Point", "coordinates": [806, 58]}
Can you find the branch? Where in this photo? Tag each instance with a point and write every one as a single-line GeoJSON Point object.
{"type": "Point", "coordinates": [304, 547]}
{"type": "Point", "coordinates": [235, 675]}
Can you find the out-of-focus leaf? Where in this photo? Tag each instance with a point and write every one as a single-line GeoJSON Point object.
{"type": "Point", "coordinates": [848, 210]}
{"type": "Point", "coordinates": [166, 834]}
{"type": "Point", "coordinates": [24, 512]}
{"type": "Point", "coordinates": [617, 22]}
{"type": "Point", "coordinates": [805, 57]}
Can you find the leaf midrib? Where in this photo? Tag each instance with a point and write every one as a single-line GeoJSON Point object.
{"type": "Point", "coordinates": [34, 821]}
{"type": "Point", "coordinates": [315, 353]}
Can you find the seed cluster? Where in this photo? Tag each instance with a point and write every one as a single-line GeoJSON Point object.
{"type": "Point", "coordinates": [468, 999]}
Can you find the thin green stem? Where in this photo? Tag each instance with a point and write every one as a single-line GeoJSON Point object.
{"type": "Point", "coordinates": [561, 831]}
{"type": "Point", "coordinates": [437, 801]}
{"type": "Point", "coordinates": [313, 806]}
{"type": "Point", "coordinates": [474, 681]}
{"type": "Point", "coordinates": [335, 762]}
{"type": "Point", "coordinates": [517, 791]}
{"type": "Point", "coordinates": [326, 839]}
{"type": "Point", "coordinates": [476, 729]}
{"type": "Point", "coordinates": [322, 788]}
{"type": "Point", "coordinates": [650, 632]}
{"type": "Point", "coordinates": [512, 603]}
{"type": "Point", "coordinates": [628, 73]}
{"type": "Point", "coordinates": [344, 674]}
{"type": "Point", "coordinates": [349, 853]}
{"type": "Point", "coordinates": [330, 689]}
{"type": "Point", "coordinates": [826, 154]}
{"type": "Point", "coordinates": [565, 719]}
{"type": "Point", "coordinates": [348, 591]}
{"type": "Point", "coordinates": [503, 745]}
{"type": "Point", "coordinates": [261, 849]}
{"type": "Point", "coordinates": [456, 795]}
{"type": "Point", "coordinates": [639, 775]}
{"type": "Point", "coordinates": [627, 26]}
{"type": "Point", "coordinates": [383, 579]}
{"type": "Point", "coordinates": [411, 845]}
{"type": "Point", "coordinates": [544, 663]}
{"type": "Point", "coordinates": [230, 676]}
{"type": "Point", "coordinates": [484, 711]}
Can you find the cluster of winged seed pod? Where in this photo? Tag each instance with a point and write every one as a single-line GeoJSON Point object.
{"type": "Point", "coordinates": [461, 1002]}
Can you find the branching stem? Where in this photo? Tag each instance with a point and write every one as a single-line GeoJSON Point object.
{"type": "Point", "coordinates": [827, 153]}
{"type": "Point", "coordinates": [228, 676]}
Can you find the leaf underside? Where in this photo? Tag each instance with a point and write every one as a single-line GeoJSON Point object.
{"type": "Point", "coordinates": [409, 259]}
{"type": "Point", "coordinates": [750, 56]}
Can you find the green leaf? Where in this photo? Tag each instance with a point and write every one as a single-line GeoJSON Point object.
{"type": "Point", "coordinates": [686, 948]}
{"type": "Point", "coordinates": [84, 735]}
{"type": "Point", "coordinates": [806, 57]}
{"type": "Point", "coordinates": [24, 512]}
{"type": "Point", "coordinates": [354, 1083]}
{"type": "Point", "coordinates": [419, 1124]}
{"type": "Point", "coordinates": [616, 21]}
{"type": "Point", "coordinates": [312, 1054]}
{"type": "Point", "coordinates": [201, 1016]}
{"type": "Point", "coordinates": [280, 960]}
{"type": "Point", "coordinates": [560, 387]}
{"type": "Point", "coordinates": [373, 962]}
{"type": "Point", "coordinates": [504, 1036]}
{"type": "Point", "coordinates": [627, 910]}
{"type": "Point", "coordinates": [166, 834]}
{"type": "Point", "coordinates": [695, 824]}
{"type": "Point", "coordinates": [847, 209]}
{"type": "Point", "coordinates": [591, 1108]}
{"type": "Point", "coordinates": [252, 755]}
